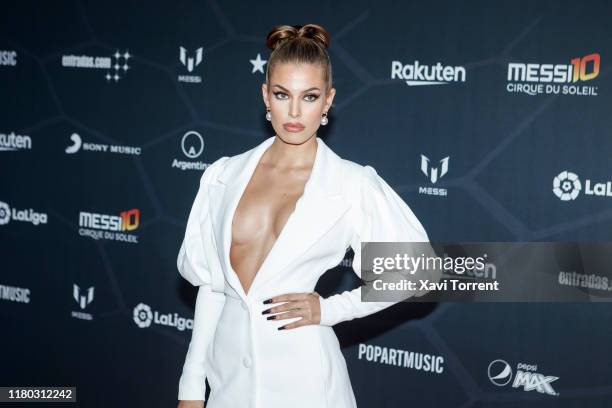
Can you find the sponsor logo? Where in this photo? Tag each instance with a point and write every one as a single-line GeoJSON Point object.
{"type": "Point", "coordinates": [110, 227]}
{"type": "Point", "coordinates": [7, 214]}
{"type": "Point", "coordinates": [77, 144]}
{"type": "Point", "coordinates": [144, 317]}
{"type": "Point", "coordinates": [500, 373]}
{"type": "Point", "coordinates": [192, 146]}
{"type": "Point", "coordinates": [190, 61]}
{"type": "Point", "coordinates": [346, 262]}
{"type": "Point", "coordinates": [115, 65]}
{"type": "Point", "coordinates": [401, 358]}
{"type": "Point", "coordinates": [584, 280]}
{"type": "Point", "coordinates": [258, 64]}
{"type": "Point", "coordinates": [567, 186]}
{"type": "Point", "coordinates": [14, 294]}
{"type": "Point", "coordinates": [434, 173]}
{"type": "Point", "coordinates": [83, 299]}
{"type": "Point", "coordinates": [554, 79]}
{"type": "Point", "coordinates": [418, 74]}
{"type": "Point", "coordinates": [12, 142]}
{"type": "Point", "coordinates": [8, 58]}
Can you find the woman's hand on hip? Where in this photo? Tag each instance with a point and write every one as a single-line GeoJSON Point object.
{"type": "Point", "coordinates": [304, 305]}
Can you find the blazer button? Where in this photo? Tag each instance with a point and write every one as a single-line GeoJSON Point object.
{"type": "Point", "coordinates": [246, 361]}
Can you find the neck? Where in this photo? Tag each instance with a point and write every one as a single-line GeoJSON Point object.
{"type": "Point", "coordinates": [285, 155]}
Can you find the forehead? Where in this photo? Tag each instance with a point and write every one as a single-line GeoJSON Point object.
{"type": "Point", "coordinates": [293, 75]}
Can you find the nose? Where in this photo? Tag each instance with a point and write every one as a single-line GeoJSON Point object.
{"type": "Point", "coordinates": [294, 108]}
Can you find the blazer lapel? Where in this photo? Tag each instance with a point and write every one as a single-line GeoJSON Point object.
{"type": "Point", "coordinates": [224, 195]}
{"type": "Point", "coordinates": [316, 211]}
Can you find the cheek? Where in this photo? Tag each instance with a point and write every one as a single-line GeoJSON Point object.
{"type": "Point", "coordinates": [311, 111]}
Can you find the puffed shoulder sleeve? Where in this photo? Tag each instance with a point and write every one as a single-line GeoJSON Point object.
{"type": "Point", "coordinates": [381, 216]}
{"type": "Point", "coordinates": [193, 266]}
{"type": "Point", "coordinates": [191, 261]}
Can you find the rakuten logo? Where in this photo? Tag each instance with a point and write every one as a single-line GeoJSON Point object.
{"type": "Point", "coordinates": [418, 74]}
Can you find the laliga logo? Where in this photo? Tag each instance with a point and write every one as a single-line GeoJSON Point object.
{"type": "Point", "coordinates": [31, 216]}
{"type": "Point", "coordinates": [5, 213]}
{"type": "Point", "coordinates": [567, 186]}
{"type": "Point", "coordinates": [143, 316]}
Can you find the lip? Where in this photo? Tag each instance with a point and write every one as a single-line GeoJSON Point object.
{"type": "Point", "coordinates": [293, 127]}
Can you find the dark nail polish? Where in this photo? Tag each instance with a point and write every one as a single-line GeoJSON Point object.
{"type": "Point", "coordinates": [281, 328]}
{"type": "Point", "coordinates": [267, 301]}
{"type": "Point", "coordinates": [266, 311]}
{"type": "Point", "coordinates": [271, 317]}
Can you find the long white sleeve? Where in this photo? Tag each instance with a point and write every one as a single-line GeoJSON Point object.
{"type": "Point", "coordinates": [193, 266]}
{"type": "Point", "coordinates": [383, 217]}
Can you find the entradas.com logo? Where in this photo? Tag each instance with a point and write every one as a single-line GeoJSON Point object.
{"type": "Point", "coordinates": [567, 186]}
{"type": "Point", "coordinates": [555, 79]}
{"type": "Point", "coordinates": [114, 66]}
{"type": "Point", "coordinates": [500, 373]}
{"type": "Point", "coordinates": [144, 316]}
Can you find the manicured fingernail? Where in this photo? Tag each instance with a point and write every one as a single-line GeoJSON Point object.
{"type": "Point", "coordinates": [266, 311]}
{"type": "Point", "coordinates": [267, 301]}
{"type": "Point", "coordinates": [281, 328]}
{"type": "Point", "coordinates": [271, 317]}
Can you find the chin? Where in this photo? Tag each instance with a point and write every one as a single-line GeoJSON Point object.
{"type": "Point", "coordinates": [294, 138]}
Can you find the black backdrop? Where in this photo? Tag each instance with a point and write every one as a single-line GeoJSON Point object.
{"type": "Point", "coordinates": [103, 117]}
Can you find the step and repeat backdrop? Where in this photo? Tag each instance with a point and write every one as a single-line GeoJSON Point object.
{"type": "Point", "coordinates": [491, 119]}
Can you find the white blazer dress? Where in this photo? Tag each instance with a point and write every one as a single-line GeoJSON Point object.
{"type": "Point", "coordinates": [247, 361]}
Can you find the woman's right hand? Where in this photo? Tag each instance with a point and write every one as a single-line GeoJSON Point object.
{"type": "Point", "coordinates": [190, 404]}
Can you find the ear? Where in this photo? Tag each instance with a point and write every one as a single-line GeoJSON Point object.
{"type": "Point", "coordinates": [329, 99]}
{"type": "Point", "coordinates": [264, 93]}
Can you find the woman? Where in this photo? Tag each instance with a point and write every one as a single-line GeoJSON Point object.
{"type": "Point", "coordinates": [264, 226]}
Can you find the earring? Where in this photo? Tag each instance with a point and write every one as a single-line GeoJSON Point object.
{"type": "Point", "coordinates": [268, 115]}
{"type": "Point", "coordinates": [324, 119]}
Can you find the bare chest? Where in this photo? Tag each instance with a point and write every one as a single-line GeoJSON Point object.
{"type": "Point", "coordinates": [266, 204]}
{"type": "Point", "coordinates": [261, 214]}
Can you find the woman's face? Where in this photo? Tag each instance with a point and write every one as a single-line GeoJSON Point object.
{"type": "Point", "coordinates": [298, 96]}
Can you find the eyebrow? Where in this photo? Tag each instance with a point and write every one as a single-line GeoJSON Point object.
{"type": "Point", "coordinates": [314, 88]}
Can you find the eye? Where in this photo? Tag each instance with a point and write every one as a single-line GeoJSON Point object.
{"type": "Point", "coordinates": [279, 94]}
{"type": "Point", "coordinates": [312, 97]}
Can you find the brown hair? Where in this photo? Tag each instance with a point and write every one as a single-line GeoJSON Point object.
{"type": "Point", "coordinates": [299, 44]}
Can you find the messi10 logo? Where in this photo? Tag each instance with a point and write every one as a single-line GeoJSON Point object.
{"type": "Point", "coordinates": [125, 221]}
{"type": "Point", "coordinates": [579, 69]}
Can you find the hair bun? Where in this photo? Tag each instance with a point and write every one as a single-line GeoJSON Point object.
{"type": "Point", "coordinates": [282, 33]}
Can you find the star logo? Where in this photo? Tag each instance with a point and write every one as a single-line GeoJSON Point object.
{"type": "Point", "coordinates": [258, 64]}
